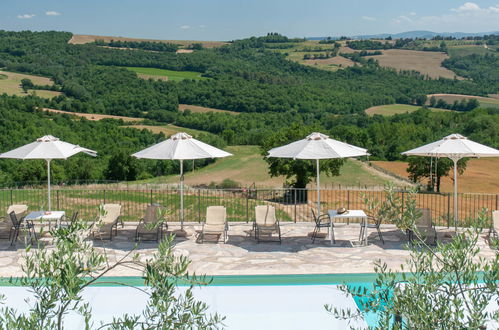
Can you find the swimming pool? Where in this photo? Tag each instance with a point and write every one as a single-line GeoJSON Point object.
{"type": "Point", "coordinates": [248, 302]}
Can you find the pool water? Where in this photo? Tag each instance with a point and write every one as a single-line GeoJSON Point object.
{"type": "Point", "coordinates": [248, 302]}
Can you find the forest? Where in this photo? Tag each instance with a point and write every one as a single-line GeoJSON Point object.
{"type": "Point", "coordinates": [269, 91]}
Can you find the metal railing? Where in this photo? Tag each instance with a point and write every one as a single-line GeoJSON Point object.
{"type": "Point", "coordinates": [293, 205]}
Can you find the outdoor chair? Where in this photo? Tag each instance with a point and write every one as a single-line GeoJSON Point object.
{"type": "Point", "coordinates": [494, 229]}
{"type": "Point", "coordinates": [425, 228]}
{"type": "Point", "coordinates": [21, 224]}
{"type": "Point", "coordinates": [321, 221]}
{"type": "Point", "coordinates": [375, 224]}
{"type": "Point", "coordinates": [266, 223]}
{"type": "Point", "coordinates": [74, 218]}
{"type": "Point", "coordinates": [215, 223]}
{"type": "Point", "coordinates": [6, 225]}
{"type": "Point", "coordinates": [108, 221]}
{"type": "Point", "coordinates": [152, 224]}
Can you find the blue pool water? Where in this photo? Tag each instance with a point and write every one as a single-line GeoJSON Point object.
{"type": "Point", "coordinates": [248, 302]}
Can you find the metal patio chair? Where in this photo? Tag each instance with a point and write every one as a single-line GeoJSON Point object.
{"type": "Point", "coordinates": [321, 221]}
{"type": "Point", "coordinates": [376, 223]}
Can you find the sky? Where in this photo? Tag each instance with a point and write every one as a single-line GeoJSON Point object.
{"type": "Point", "coordinates": [236, 19]}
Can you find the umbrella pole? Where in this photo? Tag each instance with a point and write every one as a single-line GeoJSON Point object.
{"type": "Point", "coordinates": [318, 190]}
{"type": "Point", "coordinates": [455, 193]}
{"type": "Point", "coordinates": [48, 185]}
{"type": "Point", "coordinates": [181, 194]}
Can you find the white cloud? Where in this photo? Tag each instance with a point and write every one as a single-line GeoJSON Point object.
{"type": "Point", "coordinates": [185, 27]}
{"type": "Point", "coordinates": [26, 16]}
{"type": "Point", "coordinates": [202, 26]}
{"type": "Point", "coordinates": [412, 13]}
{"type": "Point", "coordinates": [467, 17]}
{"type": "Point", "coordinates": [368, 18]}
{"type": "Point", "coordinates": [52, 13]}
{"type": "Point", "coordinates": [401, 19]}
{"type": "Point", "coordinates": [467, 6]}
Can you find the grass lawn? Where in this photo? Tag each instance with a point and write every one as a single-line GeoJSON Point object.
{"type": "Point", "coordinates": [171, 75]}
{"type": "Point", "coordinates": [10, 83]}
{"type": "Point", "coordinates": [465, 50]}
{"type": "Point", "coordinates": [168, 129]}
{"type": "Point", "coordinates": [395, 109]}
{"type": "Point", "coordinates": [485, 102]}
{"type": "Point", "coordinates": [247, 166]}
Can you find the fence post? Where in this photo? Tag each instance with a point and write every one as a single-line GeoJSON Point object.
{"type": "Point", "coordinates": [199, 205]}
{"type": "Point", "coordinates": [58, 206]}
{"type": "Point", "coordinates": [104, 197]}
{"type": "Point", "coordinates": [151, 197]}
{"type": "Point", "coordinates": [403, 197]}
{"type": "Point", "coordinates": [294, 193]}
{"type": "Point", "coordinates": [497, 202]}
{"type": "Point", "coordinates": [11, 200]}
{"type": "Point", "coordinates": [247, 207]}
{"type": "Point", "coordinates": [448, 210]}
{"type": "Point", "coordinates": [348, 199]}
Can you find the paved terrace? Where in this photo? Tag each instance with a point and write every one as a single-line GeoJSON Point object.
{"type": "Point", "coordinates": [241, 255]}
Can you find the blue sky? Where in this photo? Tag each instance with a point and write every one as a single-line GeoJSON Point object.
{"type": "Point", "coordinates": [235, 19]}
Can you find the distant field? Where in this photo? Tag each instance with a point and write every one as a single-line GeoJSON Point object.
{"type": "Point", "coordinates": [394, 109]}
{"type": "Point", "coordinates": [248, 166]}
{"type": "Point", "coordinates": [481, 175]}
{"type": "Point", "coordinates": [147, 73]}
{"type": "Point", "coordinates": [94, 116]}
{"type": "Point", "coordinates": [428, 63]}
{"type": "Point", "coordinates": [296, 53]}
{"type": "Point", "coordinates": [489, 102]}
{"type": "Point", "coordinates": [197, 109]}
{"type": "Point", "coordinates": [334, 63]}
{"type": "Point", "coordinates": [10, 83]}
{"type": "Point", "coordinates": [167, 129]}
{"type": "Point", "coordinates": [464, 50]}
{"type": "Point", "coordinates": [78, 39]}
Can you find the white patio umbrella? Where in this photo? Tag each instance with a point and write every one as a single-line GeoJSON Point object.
{"type": "Point", "coordinates": [47, 147]}
{"type": "Point", "coordinates": [181, 146]}
{"type": "Point", "coordinates": [317, 146]}
{"type": "Point", "coordinates": [455, 147]}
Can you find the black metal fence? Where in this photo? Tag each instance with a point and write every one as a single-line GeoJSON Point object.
{"type": "Point", "coordinates": [291, 204]}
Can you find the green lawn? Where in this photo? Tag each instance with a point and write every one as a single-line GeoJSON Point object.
{"type": "Point", "coordinates": [168, 129]}
{"type": "Point", "coordinates": [394, 109]}
{"type": "Point", "coordinates": [247, 166]}
{"type": "Point", "coordinates": [172, 75]}
{"type": "Point", "coordinates": [468, 50]}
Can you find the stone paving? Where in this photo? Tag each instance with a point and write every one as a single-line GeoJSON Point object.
{"type": "Point", "coordinates": [242, 255]}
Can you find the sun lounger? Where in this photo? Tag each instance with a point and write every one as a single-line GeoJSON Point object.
{"type": "Point", "coordinates": [494, 229]}
{"type": "Point", "coordinates": [152, 225]}
{"type": "Point", "coordinates": [6, 226]}
{"type": "Point", "coordinates": [215, 224]}
{"type": "Point", "coordinates": [425, 228]}
{"type": "Point", "coordinates": [108, 221]}
{"type": "Point", "coordinates": [266, 223]}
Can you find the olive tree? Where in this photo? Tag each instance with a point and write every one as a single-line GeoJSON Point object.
{"type": "Point", "coordinates": [447, 286]}
{"type": "Point", "coordinates": [58, 274]}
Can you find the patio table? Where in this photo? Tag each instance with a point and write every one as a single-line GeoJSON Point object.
{"type": "Point", "coordinates": [49, 216]}
{"type": "Point", "coordinates": [333, 214]}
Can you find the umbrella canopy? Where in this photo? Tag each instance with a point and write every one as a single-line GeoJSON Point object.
{"type": "Point", "coordinates": [455, 147]}
{"type": "Point", "coordinates": [181, 146]}
{"type": "Point", "coordinates": [47, 147]}
{"type": "Point", "coordinates": [317, 146]}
